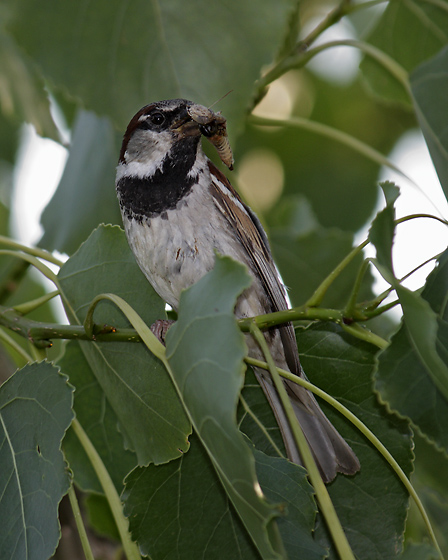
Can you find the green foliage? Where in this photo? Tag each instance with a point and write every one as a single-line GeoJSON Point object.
{"type": "Point", "coordinates": [193, 52]}
{"type": "Point", "coordinates": [343, 367]}
{"type": "Point", "coordinates": [402, 377]}
{"type": "Point", "coordinates": [427, 81]}
{"type": "Point", "coordinates": [425, 22]}
{"type": "Point", "coordinates": [35, 412]}
{"type": "Point", "coordinates": [177, 448]}
{"type": "Point", "coordinates": [129, 376]}
{"type": "Point", "coordinates": [209, 376]}
{"type": "Point", "coordinates": [84, 189]}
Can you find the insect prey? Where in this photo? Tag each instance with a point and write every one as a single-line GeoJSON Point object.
{"type": "Point", "coordinates": [214, 127]}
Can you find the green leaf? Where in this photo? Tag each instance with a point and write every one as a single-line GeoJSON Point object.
{"type": "Point", "coordinates": [189, 50]}
{"type": "Point", "coordinates": [343, 367]}
{"type": "Point", "coordinates": [425, 22]}
{"type": "Point", "coordinates": [135, 384]}
{"type": "Point", "coordinates": [419, 318]}
{"type": "Point", "coordinates": [287, 484]}
{"type": "Point", "coordinates": [423, 332]}
{"type": "Point", "coordinates": [35, 412]}
{"type": "Point", "coordinates": [420, 552]}
{"type": "Point", "coordinates": [429, 82]}
{"type": "Point", "coordinates": [22, 94]}
{"type": "Point", "coordinates": [98, 421]}
{"type": "Point", "coordinates": [85, 196]}
{"type": "Point", "coordinates": [382, 231]}
{"type": "Point", "coordinates": [403, 379]}
{"type": "Point", "coordinates": [432, 489]}
{"type": "Point", "coordinates": [180, 510]}
{"type": "Point", "coordinates": [205, 350]}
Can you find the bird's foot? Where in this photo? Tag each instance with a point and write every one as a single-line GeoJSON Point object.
{"type": "Point", "coordinates": [160, 328]}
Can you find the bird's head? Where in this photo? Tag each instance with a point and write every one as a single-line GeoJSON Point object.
{"type": "Point", "coordinates": [175, 125]}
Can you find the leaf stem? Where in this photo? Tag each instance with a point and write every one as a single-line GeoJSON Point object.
{"type": "Point", "coordinates": [364, 334]}
{"type": "Point", "coordinates": [283, 65]}
{"type": "Point", "coordinates": [397, 71]}
{"type": "Point", "coordinates": [414, 216]}
{"type": "Point", "coordinates": [351, 308]}
{"type": "Point", "coordinates": [326, 505]}
{"type": "Point", "coordinates": [35, 251]}
{"type": "Point", "coordinates": [334, 134]}
{"type": "Point", "coordinates": [367, 433]}
{"type": "Point", "coordinates": [28, 306]}
{"type": "Point", "coordinates": [369, 314]}
{"type": "Point", "coordinates": [15, 346]}
{"type": "Point", "coordinates": [28, 256]}
{"type": "Point", "coordinates": [80, 524]}
{"type": "Point", "coordinates": [129, 546]}
{"type": "Point", "coordinates": [150, 340]}
{"type": "Point", "coordinates": [317, 297]}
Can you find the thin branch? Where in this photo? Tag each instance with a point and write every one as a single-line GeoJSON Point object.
{"type": "Point", "coordinates": [335, 134]}
{"type": "Point", "coordinates": [40, 334]}
{"type": "Point", "coordinates": [129, 546]}
{"type": "Point", "coordinates": [80, 524]}
{"type": "Point", "coordinates": [283, 65]}
{"type": "Point", "coordinates": [387, 62]}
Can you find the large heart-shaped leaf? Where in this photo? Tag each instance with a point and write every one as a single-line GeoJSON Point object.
{"type": "Point", "coordinates": [205, 350]}
{"type": "Point", "coordinates": [134, 382]}
{"type": "Point", "coordinates": [35, 412]}
{"type": "Point", "coordinates": [117, 57]}
{"type": "Point", "coordinates": [99, 422]}
{"type": "Point", "coordinates": [180, 510]}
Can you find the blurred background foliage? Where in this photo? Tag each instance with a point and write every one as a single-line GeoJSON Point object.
{"type": "Point", "coordinates": [78, 71]}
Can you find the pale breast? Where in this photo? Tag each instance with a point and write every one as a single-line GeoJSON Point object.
{"type": "Point", "coordinates": [174, 250]}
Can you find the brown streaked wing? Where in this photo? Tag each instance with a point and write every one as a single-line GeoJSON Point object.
{"type": "Point", "coordinates": [253, 238]}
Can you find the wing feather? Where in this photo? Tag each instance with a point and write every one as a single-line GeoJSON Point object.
{"type": "Point", "coordinates": [253, 238]}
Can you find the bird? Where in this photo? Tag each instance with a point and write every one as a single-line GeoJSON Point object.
{"type": "Point", "coordinates": [178, 209]}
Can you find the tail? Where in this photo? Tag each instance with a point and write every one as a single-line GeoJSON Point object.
{"type": "Point", "coordinates": [331, 452]}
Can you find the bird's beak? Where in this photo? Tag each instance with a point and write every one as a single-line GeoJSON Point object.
{"type": "Point", "coordinates": [197, 120]}
{"type": "Point", "coordinates": [186, 126]}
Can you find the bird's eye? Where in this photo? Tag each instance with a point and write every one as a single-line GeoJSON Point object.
{"type": "Point", "coordinates": [157, 118]}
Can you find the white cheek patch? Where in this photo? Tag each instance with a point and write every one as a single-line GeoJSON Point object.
{"type": "Point", "coordinates": [147, 150]}
{"type": "Point", "coordinates": [137, 169]}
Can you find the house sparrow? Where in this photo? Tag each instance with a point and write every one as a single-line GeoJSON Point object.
{"type": "Point", "coordinates": [177, 210]}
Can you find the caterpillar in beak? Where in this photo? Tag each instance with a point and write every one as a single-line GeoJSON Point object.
{"type": "Point", "coordinates": [214, 127]}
